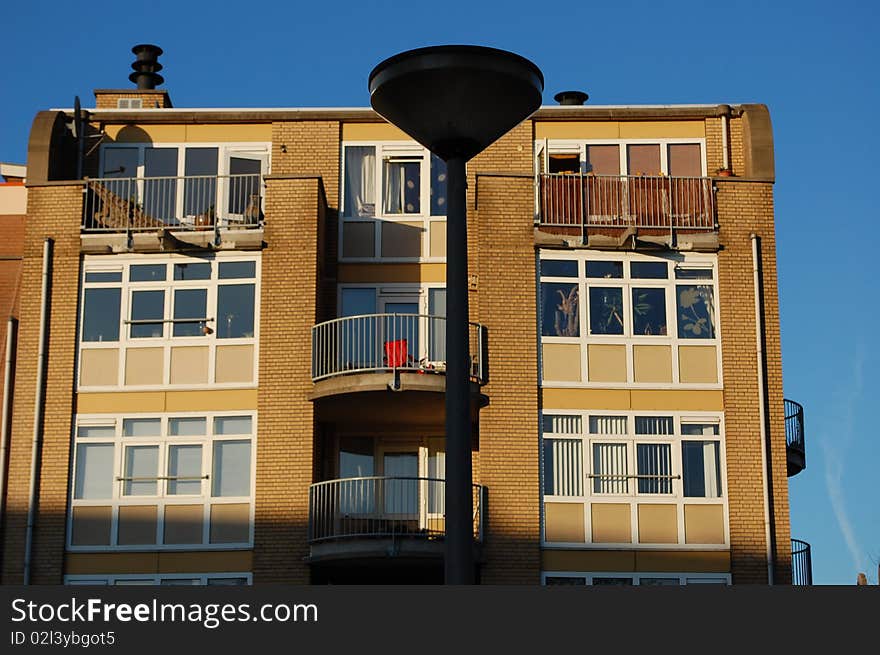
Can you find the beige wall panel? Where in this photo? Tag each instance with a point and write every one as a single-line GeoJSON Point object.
{"type": "Point", "coordinates": [401, 239]}
{"type": "Point", "coordinates": [125, 401]}
{"type": "Point", "coordinates": [606, 363]}
{"type": "Point", "coordinates": [645, 399]}
{"type": "Point", "coordinates": [230, 523]}
{"type": "Point", "coordinates": [438, 238]}
{"type": "Point", "coordinates": [222, 399]}
{"type": "Point", "coordinates": [359, 239]}
{"type": "Point", "coordinates": [564, 522]}
{"type": "Point", "coordinates": [658, 524]}
{"type": "Point", "coordinates": [229, 132]}
{"type": "Point", "coordinates": [652, 363]}
{"type": "Point", "coordinates": [581, 398]}
{"type": "Point", "coordinates": [231, 561]}
{"type": "Point", "coordinates": [611, 523]}
{"type": "Point", "coordinates": [562, 362]}
{"type": "Point", "coordinates": [13, 200]}
{"type": "Point", "coordinates": [698, 364]}
{"type": "Point", "coordinates": [189, 365]}
{"type": "Point", "coordinates": [145, 133]}
{"type": "Point", "coordinates": [137, 525]}
{"type": "Point", "coordinates": [91, 526]}
{"type": "Point", "coordinates": [234, 364]}
{"type": "Point", "coordinates": [703, 524]}
{"type": "Point", "coordinates": [391, 273]}
{"type": "Point", "coordinates": [99, 367]}
{"type": "Point", "coordinates": [683, 560]}
{"type": "Point", "coordinates": [588, 560]}
{"type": "Point", "coordinates": [110, 563]}
{"type": "Point", "coordinates": [577, 130]}
{"type": "Point", "coordinates": [183, 524]}
{"type": "Point", "coordinates": [662, 129]}
{"type": "Point", "coordinates": [144, 366]}
{"type": "Point", "coordinates": [373, 132]}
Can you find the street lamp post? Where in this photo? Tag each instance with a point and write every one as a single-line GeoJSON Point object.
{"type": "Point", "coordinates": [456, 101]}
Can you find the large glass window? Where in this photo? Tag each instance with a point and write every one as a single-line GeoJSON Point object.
{"type": "Point", "coordinates": [101, 314]}
{"type": "Point", "coordinates": [235, 311]}
{"type": "Point", "coordinates": [560, 312]}
{"type": "Point", "coordinates": [402, 186]}
{"type": "Point", "coordinates": [360, 181]}
{"type": "Point", "coordinates": [147, 314]}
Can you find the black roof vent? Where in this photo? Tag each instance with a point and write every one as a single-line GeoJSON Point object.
{"type": "Point", "coordinates": [146, 66]}
{"type": "Point", "coordinates": [571, 97]}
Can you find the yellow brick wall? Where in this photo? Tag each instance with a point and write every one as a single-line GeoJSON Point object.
{"type": "Point", "coordinates": [743, 208]}
{"type": "Point", "coordinates": [286, 418]}
{"type": "Point", "coordinates": [107, 99]}
{"type": "Point", "coordinates": [53, 211]}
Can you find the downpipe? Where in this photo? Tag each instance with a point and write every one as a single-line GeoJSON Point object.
{"type": "Point", "coordinates": [11, 326]}
{"type": "Point", "coordinates": [763, 412]}
{"type": "Point", "coordinates": [37, 445]}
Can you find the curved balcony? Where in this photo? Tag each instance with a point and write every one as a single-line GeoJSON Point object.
{"type": "Point", "coordinates": [380, 516]}
{"type": "Point", "coordinates": [801, 563]}
{"type": "Point", "coordinates": [794, 438]}
{"type": "Point", "coordinates": [376, 352]}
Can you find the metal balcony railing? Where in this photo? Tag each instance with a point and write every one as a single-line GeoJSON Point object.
{"type": "Point", "coordinates": [384, 507]}
{"type": "Point", "coordinates": [801, 563]}
{"type": "Point", "coordinates": [587, 200]}
{"type": "Point", "coordinates": [389, 342]}
{"type": "Point", "coordinates": [193, 202]}
{"type": "Point", "coordinates": [794, 437]}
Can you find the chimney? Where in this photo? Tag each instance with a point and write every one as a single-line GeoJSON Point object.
{"type": "Point", "coordinates": [571, 97]}
{"type": "Point", "coordinates": [146, 66]}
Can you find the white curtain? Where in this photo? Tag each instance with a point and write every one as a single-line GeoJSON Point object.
{"type": "Point", "coordinates": [654, 460]}
{"type": "Point", "coordinates": [360, 181]}
{"type": "Point", "coordinates": [609, 468]}
{"type": "Point", "coordinates": [563, 467]}
{"type": "Point", "coordinates": [608, 425]}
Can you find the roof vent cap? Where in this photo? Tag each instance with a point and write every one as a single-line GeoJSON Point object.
{"type": "Point", "coordinates": [571, 97]}
{"type": "Point", "coordinates": [146, 66]}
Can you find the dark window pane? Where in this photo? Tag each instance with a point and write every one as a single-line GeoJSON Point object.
{"type": "Point", "coordinates": [559, 309]}
{"type": "Point", "coordinates": [160, 195]}
{"type": "Point", "coordinates": [564, 162]}
{"type": "Point", "coordinates": [200, 271]}
{"type": "Point", "coordinates": [232, 270]}
{"type": "Point", "coordinates": [101, 315]}
{"type": "Point", "coordinates": [614, 582]}
{"type": "Point", "coordinates": [244, 186]}
{"type": "Point", "coordinates": [120, 162]}
{"type": "Point", "coordinates": [235, 311]}
{"type": "Point", "coordinates": [606, 310]}
{"type": "Point", "coordinates": [696, 311]}
{"type": "Point", "coordinates": [559, 268]}
{"type": "Point", "coordinates": [654, 466]}
{"type": "Point", "coordinates": [146, 273]}
{"type": "Point", "coordinates": [605, 269]}
{"type": "Point", "coordinates": [603, 160]}
{"type": "Point", "coordinates": [701, 469]}
{"type": "Point", "coordinates": [110, 276]}
{"type": "Point", "coordinates": [693, 273]}
{"type": "Point", "coordinates": [564, 581]}
{"type": "Point", "coordinates": [649, 311]}
{"type": "Point", "coordinates": [402, 187]}
{"type": "Point", "coordinates": [190, 303]}
{"type": "Point", "coordinates": [200, 189]}
{"type": "Point", "coordinates": [147, 305]}
{"type": "Point", "coordinates": [684, 160]}
{"type": "Point", "coordinates": [649, 270]}
{"type": "Point", "coordinates": [438, 186]}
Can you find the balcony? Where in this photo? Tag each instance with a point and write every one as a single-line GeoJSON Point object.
{"type": "Point", "coordinates": [609, 207]}
{"type": "Point", "coordinates": [377, 352]}
{"type": "Point", "coordinates": [794, 438]}
{"type": "Point", "coordinates": [801, 563]}
{"type": "Point", "coordinates": [377, 516]}
{"type": "Point", "coordinates": [185, 203]}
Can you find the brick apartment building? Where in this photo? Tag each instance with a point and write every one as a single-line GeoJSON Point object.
{"type": "Point", "coordinates": [230, 353]}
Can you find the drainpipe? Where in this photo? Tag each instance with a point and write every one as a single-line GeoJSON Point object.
{"type": "Point", "coordinates": [763, 411]}
{"type": "Point", "coordinates": [725, 138]}
{"type": "Point", "coordinates": [38, 411]}
{"type": "Point", "coordinates": [5, 409]}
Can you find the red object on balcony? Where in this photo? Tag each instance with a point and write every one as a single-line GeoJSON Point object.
{"type": "Point", "coordinates": [396, 353]}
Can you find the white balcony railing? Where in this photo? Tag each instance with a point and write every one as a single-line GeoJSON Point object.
{"type": "Point", "coordinates": [193, 202]}
{"type": "Point", "coordinates": [388, 342]}
{"type": "Point", "coordinates": [384, 507]}
{"type": "Point", "coordinates": [579, 200]}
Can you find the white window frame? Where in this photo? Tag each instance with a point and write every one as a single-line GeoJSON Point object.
{"type": "Point", "coordinates": [567, 146]}
{"type": "Point", "coordinates": [628, 339]}
{"type": "Point", "coordinates": [385, 150]}
{"type": "Point", "coordinates": [161, 499]}
{"type": "Point", "coordinates": [150, 579]}
{"type": "Point", "coordinates": [632, 496]}
{"type": "Point", "coordinates": [123, 263]}
{"type": "Point", "coordinates": [683, 578]}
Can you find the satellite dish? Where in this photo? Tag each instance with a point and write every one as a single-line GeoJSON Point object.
{"type": "Point", "coordinates": [77, 118]}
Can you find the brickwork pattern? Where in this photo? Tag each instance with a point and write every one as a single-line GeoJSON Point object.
{"type": "Point", "coordinates": [53, 212]}
{"type": "Point", "coordinates": [149, 100]}
{"type": "Point", "coordinates": [313, 148]}
{"type": "Point", "coordinates": [744, 208]}
{"type": "Point", "coordinates": [285, 439]}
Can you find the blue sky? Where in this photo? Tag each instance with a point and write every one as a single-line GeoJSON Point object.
{"type": "Point", "coordinates": [812, 63]}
